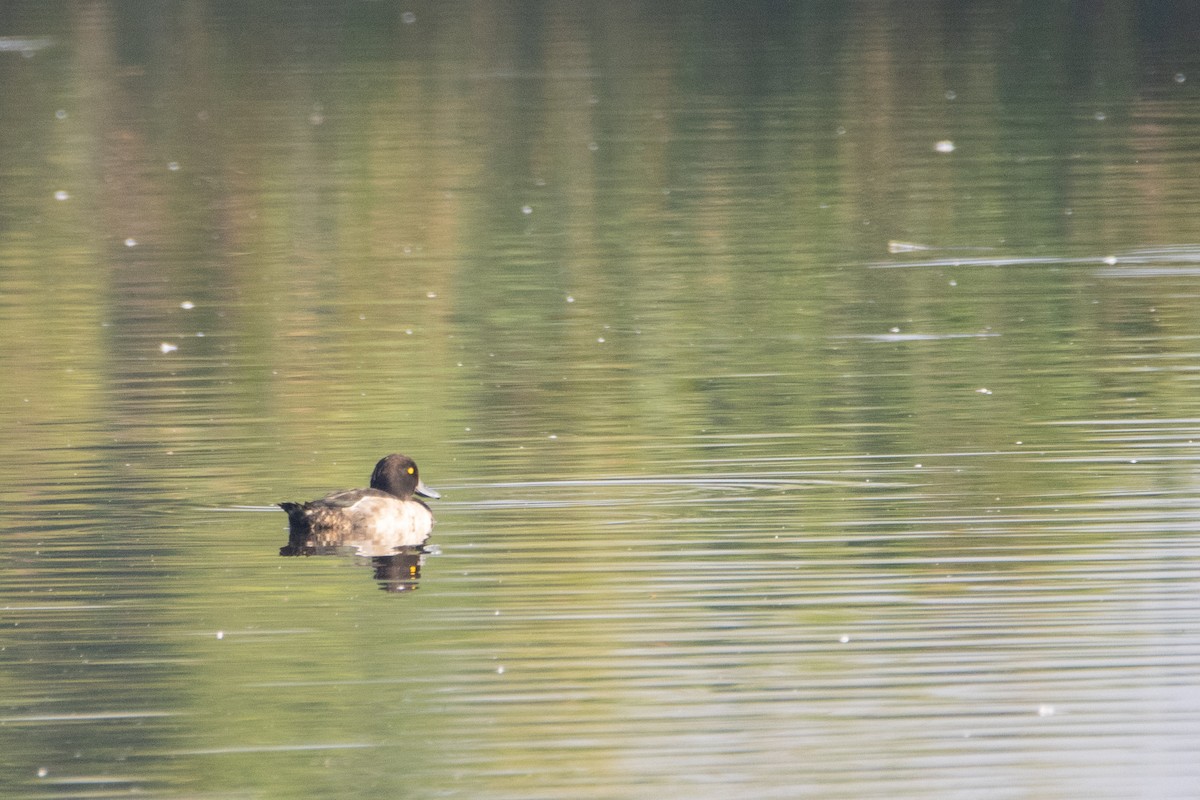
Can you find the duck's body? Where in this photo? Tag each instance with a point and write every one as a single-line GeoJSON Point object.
{"type": "Point", "coordinates": [374, 522]}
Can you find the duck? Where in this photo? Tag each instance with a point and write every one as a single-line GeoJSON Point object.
{"type": "Point", "coordinates": [378, 521]}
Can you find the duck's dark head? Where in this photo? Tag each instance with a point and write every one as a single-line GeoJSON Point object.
{"type": "Point", "coordinates": [397, 474]}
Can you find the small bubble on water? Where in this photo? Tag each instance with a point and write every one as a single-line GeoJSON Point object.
{"type": "Point", "coordinates": [593, 146]}
{"type": "Point", "coordinates": [42, 772]}
{"type": "Point", "coordinates": [983, 391]}
{"type": "Point", "coordinates": [844, 639]}
{"type": "Point", "coordinates": [570, 299]}
{"type": "Point", "coordinates": [167, 347]}
{"type": "Point", "coordinates": [173, 166]}
{"type": "Point", "coordinates": [600, 339]}
{"type": "Point", "coordinates": [408, 18]}
{"type": "Point", "coordinates": [60, 114]}
{"type": "Point", "coordinates": [527, 210]}
{"type": "Point", "coordinates": [61, 195]}
{"type": "Point", "coordinates": [500, 670]}
{"type": "Point", "coordinates": [131, 242]}
{"type": "Point", "coordinates": [944, 146]}
{"type": "Point", "coordinates": [220, 634]}
{"type": "Point", "coordinates": [431, 295]}
{"type": "Point", "coordinates": [187, 305]}
{"type": "Point", "coordinates": [951, 94]}
{"type": "Point", "coordinates": [1100, 116]}
{"type": "Point", "coordinates": [1045, 710]}
{"type": "Point", "coordinates": [1110, 260]}
{"type": "Point", "coordinates": [1180, 77]}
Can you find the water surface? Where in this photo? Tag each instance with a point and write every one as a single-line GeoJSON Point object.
{"type": "Point", "coordinates": [811, 390]}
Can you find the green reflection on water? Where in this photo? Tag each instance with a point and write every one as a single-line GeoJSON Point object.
{"type": "Point", "coordinates": [620, 279]}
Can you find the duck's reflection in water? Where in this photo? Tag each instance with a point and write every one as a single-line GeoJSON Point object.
{"type": "Point", "coordinates": [397, 569]}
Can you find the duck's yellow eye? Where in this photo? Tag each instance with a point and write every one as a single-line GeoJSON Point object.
{"type": "Point", "coordinates": [411, 470]}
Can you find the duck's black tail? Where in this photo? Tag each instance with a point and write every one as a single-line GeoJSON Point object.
{"type": "Point", "coordinates": [297, 529]}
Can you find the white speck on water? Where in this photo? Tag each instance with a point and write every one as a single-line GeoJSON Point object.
{"type": "Point", "coordinates": [983, 391]}
{"type": "Point", "coordinates": [173, 166]}
{"type": "Point", "coordinates": [187, 305]}
{"type": "Point", "coordinates": [167, 347]}
{"type": "Point", "coordinates": [42, 772]}
{"type": "Point", "coordinates": [408, 331]}
{"type": "Point", "coordinates": [844, 639]}
{"type": "Point", "coordinates": [841, 131]}
{"type": "Point", "coordinates": [526, 210]}
{"type": "Point", "coordinates": [953, 282]}
{"type": "Point", "coordinates": [362, 316]}
{"type": "Point", "coordinates": [1133, 461]}
{"type": "Point", "coordinates": [894, 330]}
{"type": "Point", "coordinates": [1045, 710]}
{"type": "Point", "coordinates": [500, 670]}
{"type": "Point", "coordinates": [431, 295]}
{"type": "Point", "coordinates": [951, 94]}
{"type": "Point", "coordinates": [1180, 77]}
{"type": "Point", "coordinates": [131, 242]}
{"type": "Point", "coordinates": [553, 436]}
{"type": "Point", "coordinates": [1100, 116]}
{"type": "Point", "coordinates": [61, 195]}
{"type": "Point", "coordinates": [593, 146]}
{"type": "Point", "coordinates": [1110, 260]}
{"type": "Point", "coordinates": [60, 114]}
{"type": "Point", "coordinates": [408, 18]}
{"type": "Point", "coordinates": [570, 299]}
{"type": "Point", "coordinates": [944, 146]}
{"type": "Point", "coordinates": [600, 339]}
{"type": "Point", "coordinates": [918, 466]}
{"type": "Point", "coordinates": [220, 634]}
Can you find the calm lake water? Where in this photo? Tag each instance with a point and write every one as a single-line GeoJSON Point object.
{"type": "Point", "coordinates": [812, 389]}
